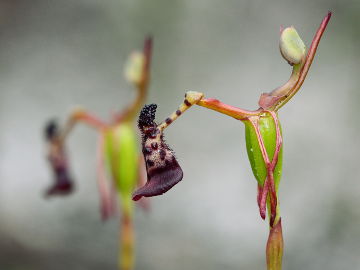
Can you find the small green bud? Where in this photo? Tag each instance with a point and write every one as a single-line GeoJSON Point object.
{"type": "Point", "coordinates": [292, 48]}
{"type": "Point", "coordinates": [134, 68]}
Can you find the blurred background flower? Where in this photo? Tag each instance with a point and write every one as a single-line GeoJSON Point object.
{"type": "Point", "coordinates": [56, 54]}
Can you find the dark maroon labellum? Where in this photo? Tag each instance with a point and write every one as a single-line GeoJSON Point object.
{"type": "Point", "coordinates": [163, 170]}
{"type": "Point", "coordinates": [63, 184]}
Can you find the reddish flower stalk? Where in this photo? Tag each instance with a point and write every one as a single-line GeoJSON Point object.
{"type": "Point", "coordinates": [275, 247]}
{"type": "Point", "coordinates": [106, 190]}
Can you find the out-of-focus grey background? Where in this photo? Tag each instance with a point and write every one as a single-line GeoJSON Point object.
{"type": "Point", "coordinates": [55, 55]}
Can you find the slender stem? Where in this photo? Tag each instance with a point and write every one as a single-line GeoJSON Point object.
{"type": "Point", "coordinates": [295, 75]}
{"type": "Point", "coordinates": [309, 58]}
{"type": "Point", "coordinates": [84, 117]}
{"type": "Point", "coordinates": [126, 256]}
{"type": "Point", "coordinates": [267, 100]}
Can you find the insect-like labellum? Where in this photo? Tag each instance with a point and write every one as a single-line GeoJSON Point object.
{"type": "Point", "coordinates": [163, 170]}
{"type": "Point", "coordinates": [63, 184]}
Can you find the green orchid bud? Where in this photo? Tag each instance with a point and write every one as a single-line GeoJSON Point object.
{"type": "Point", "coordinates": [134, 68]}
{"type": "Point", "coordinates": [292, 48]}
{"type": "Point", "coordinates": [121, 153]}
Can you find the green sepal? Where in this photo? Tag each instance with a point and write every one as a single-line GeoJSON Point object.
{"type": "Point", "coordinates": [267, 129]}
{"type": "Point", "coordinates": [122, 158]}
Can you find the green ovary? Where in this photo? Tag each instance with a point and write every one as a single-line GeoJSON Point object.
{"type": "Point", "coordinates": [267, 129]}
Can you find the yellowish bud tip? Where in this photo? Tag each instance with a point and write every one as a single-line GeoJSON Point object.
{"type": "Point", "coordinates": [193, 97]}
{"type": "Point", "coordinates": [134, 68]}
{"type": "Point", "coordinates": [292, 48]}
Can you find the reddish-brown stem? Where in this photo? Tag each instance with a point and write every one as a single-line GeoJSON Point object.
{"type": "Point", "coordinates": [275, 247]}
{"type": "Point", "coordinates": [147, 50]}
{"type": "Point", "coordinates": [280, 91]}
{"type": "Point", "coordinates": [84, 117]}
{"type": "Point", "coordinates": [89, 119]}
{"type": "Point", "coordinates": [308, 61]}
{"type": "Point", "coordinates": [142, 87]}
{"type": "Point", "coordinates": [268, 100]}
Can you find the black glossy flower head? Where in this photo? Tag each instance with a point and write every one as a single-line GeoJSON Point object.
{"type": "Point", "coordinates": [147, 116]}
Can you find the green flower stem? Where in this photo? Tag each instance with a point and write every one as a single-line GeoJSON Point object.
{"type": "Point", "coordinates": [127, 254]}
{"type": "Point", "coordinates": [275, 247]}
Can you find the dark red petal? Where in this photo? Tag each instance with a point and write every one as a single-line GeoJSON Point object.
{"type": "Point", "coordinates": [61, 190]}
{"type": "Point", "coordinates": [63, 184]}
{"type": "Point", "coordinates": [160, 180]}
